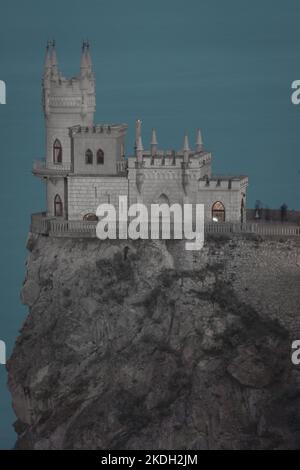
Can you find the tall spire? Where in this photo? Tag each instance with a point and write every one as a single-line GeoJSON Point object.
{"type": "Point", "coordinates": [139, 149]}
{"type": "Point", "coordinates": [54, 66]}
{"type": "Point", "coordinates": [199, 141]}
{"type": "Point", "coordinates": [140, 144]}
{"type": "Point", "coordinates": [83, 61]}
{"type": "Point", "coordinates": [47, 78]}
{"type": "Point", "coordinates": [47, 66]}
{"type": "Point", "coordinates": [86, 61]}
{"type": "Point", "coordinates": [154, 143]}
{"type": "Point", "coordinates": [186, 149]}
{"type": "Point", "coordinates": [138, 131]}
{"type": "Point", "coordinates": [153, 138]}
{"type": "Point", "coordinates": [88, 55]}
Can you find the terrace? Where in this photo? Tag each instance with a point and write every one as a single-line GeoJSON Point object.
{"type": "Point", "coordinates": [57, 227]}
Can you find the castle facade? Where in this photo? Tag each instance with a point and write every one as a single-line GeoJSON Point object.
{"type": "Point", "coordinates": [85, 163]}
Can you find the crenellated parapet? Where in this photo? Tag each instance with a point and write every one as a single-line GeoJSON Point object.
{"type": "Point", "coordinates": [223, 183]}
{"type": "Point", "coordinates": [172, 158]}
{"type": "Point", "coordinates": [108, 129]}
{"type": "Point", "coordinates": [60, 94]}
{"type": "Point", "coordinates": [186, 164]}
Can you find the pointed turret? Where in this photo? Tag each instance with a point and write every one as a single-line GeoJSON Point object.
{"type": "Point", "coordinates": [140, 177]}
{"type": "Point", "coordinates": [153, 137]}
{"type": "Point", "coordinates": [199, 141]}
{"type": "Point", "coordinates": [88, 57]}
{"type": "Point", "coordinates": [185, 170]}
{"type": "Point", "coordinates": [47, 78]}
{"type": "Point", "coordinates": [138, 131]}
{"type": "Point", "coordinates": [87, 83]}
{"type": "Point", "coordinates": [86, 69]}
{"type": "Point", "coordinates": [47, 66]}
{"type": "Point", "coordinates": [140, 145]}
{"type": "Point", "coordinates": [83, 61]}
{"type": "Point", "coordinates": [154, 143]}
{"type": "Point", "coordinates": [139, 150]}
{"type": "Point", "coordinates": [54, 65]}
{"type": "Point", "coordinates": [186, 149]}
{"type": "Point", "coordinates": [186, 146]}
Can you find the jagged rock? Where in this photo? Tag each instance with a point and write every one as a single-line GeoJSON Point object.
{"type": "Point", "coordinates": [30, 242]}
{"type": "Point", "coordinates": [250, 369]}
{"type": "Point", "coordinates": [30, 292]}
{"type": "Point", "coordinates": [134, 345]}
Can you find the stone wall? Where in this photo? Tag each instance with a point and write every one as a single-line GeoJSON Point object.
{"type": "Point", "coordinates": [274, 215]}
{"type": "Point", "coordinates": [55, 186]}
{"type": "Point", "coordinates": [86, 193]}
{"type": "Point", "coordinates": [168, 182]}
{"type": "Point", "coordinates": [110, 144]}
{"type": "Point", "coordinates": [263, 273]}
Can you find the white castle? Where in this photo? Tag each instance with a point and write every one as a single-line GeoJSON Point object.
{"type": "Point", "coordinates": [86, 166]}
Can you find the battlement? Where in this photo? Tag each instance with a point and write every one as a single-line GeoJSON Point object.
{"type": "Point", "coordinates": [223, 183]}
{"type": "Point", "coordinates": [171, 158]}
{"type": "Point", "coordinates": [66, 86]}
{"type": "Point", "coordinates": [61, 94]}
{"type": "Point", "coordinates": [108, 129]}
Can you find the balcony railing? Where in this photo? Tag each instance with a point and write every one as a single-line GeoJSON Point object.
{"type": "Point", "coordinates": [58, 227]}
{"type": "Point", "coordinates": [122, 166]}
{"type": "Point", "coordinates": [42, 166]}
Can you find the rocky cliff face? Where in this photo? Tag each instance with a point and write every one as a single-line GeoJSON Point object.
{"type": "Point", "coordinates": [142, 345]}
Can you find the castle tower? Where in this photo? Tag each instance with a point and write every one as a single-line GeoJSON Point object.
{"type": "Point", "coordinates": [66, 103]}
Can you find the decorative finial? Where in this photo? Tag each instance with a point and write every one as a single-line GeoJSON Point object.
{"type": "Point", "coordinates": [140, 147]}
{"type": "Point", "coordinates": [48, 62]}
{"type": "Point", "coordinates": [138, 127]}
{"type": "Point", "coordinates": [153, 143]}
{"type": "Point", "coordinates": [54, 67]}
{"type": "Point", "coordinates": [186, 147]}
{"type": "Point", "coordinates": [153, 138]}
{"type": "Point", "coordinates": [199, 141]}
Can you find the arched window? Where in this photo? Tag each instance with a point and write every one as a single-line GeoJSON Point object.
{"type": "Point", "coordinates": [100, 157]}
{"type": "Point", "coordinates": [163, 199]}
{"type": "Point", "coordinates": [89, 157]}
{"type": "Point", "coordinates": [218, 212]}
{"type": "Point", "coordinates": [58, 206]}
{"type": "Point", "coordinates": [90, 217]}
{"type": "Point", "coordinates": [57, 152]}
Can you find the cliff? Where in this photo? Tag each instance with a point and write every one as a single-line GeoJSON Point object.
{"type": "Point", "coordinates": [142, 345]}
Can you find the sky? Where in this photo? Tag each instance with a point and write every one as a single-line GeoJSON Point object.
{"type": "Point", "coordinates": [226, 67]}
